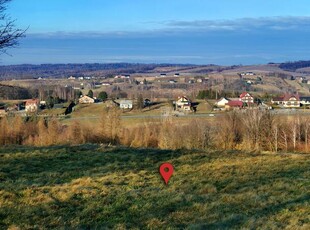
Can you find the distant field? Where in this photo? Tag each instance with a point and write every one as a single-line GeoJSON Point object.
{"type": "Point", "coordinates": [89, 186]}
{"type": "Point", "coordinates": [298, 86]}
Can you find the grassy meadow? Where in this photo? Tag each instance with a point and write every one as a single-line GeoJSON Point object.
{"type": "Point", "coordinates": [95, 186]}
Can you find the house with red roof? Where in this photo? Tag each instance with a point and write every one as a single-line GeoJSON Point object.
{"type": "Point", "coordinates": [234, 104]}
{"type": "Point", "coordinates": [245, 97]}
{"type": "Point", "coordinates": [287, 100]}
{"type": "Point", "coordinates": [32, 105]}
{"type": "Point", "coordinates": [183, 104]}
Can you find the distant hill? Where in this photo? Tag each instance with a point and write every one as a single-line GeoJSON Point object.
{"type": "Point", "coordinates": [293, 66]}
{"type": "Point", "coordinates": [66, 70]}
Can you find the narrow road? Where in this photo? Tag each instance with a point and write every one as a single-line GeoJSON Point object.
{"type": "Point", "coordinates": [151, 116]}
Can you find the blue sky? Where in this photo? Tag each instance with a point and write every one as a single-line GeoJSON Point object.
{"type": "Point", "coordinates": [179, 31]}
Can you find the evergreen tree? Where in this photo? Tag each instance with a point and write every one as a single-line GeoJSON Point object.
{"type": "Point", "coordinates": [103, 95]}
{"type": "Point", "coordinates": [90, 93]}
{"type": "Point", "coordinates": [50, 102]}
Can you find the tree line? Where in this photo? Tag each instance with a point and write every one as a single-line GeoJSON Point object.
{"type": "Point", "coordinates": [251, 130]}
{"type": "Point", "coordinates": [14, 92]}
{"type": "Point", "coordinates": [293, 66]}
{"type": "Point", "coordinates": [216, 94]}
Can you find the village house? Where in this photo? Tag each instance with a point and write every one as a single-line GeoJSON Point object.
{"type": "Point", "coordinates": [183, 104]}
{"type": "Point", "coordinates": [222, 102]}
{"type": "Point", "coordinates": [106, 83]}
{"type": "Point", "coordinates": [246, 98]}
{"type": "Point", "coordinates": [97, 84]}
{"type": "Point", "coordinates": [247, 74]}
{"type": "Point", "coordinates": [302, 80]}
{"type": "Point", "coordinates": [126, 104]}
{"type": "Point", "coordinates": [287, 100]}
{"type": "Point", "coordinates": [234, 105]}
{"type": "Point", "coordinates": [32, 105]}
{"type": "Point", "coordinates": [86, 100]}
{"type": "Point", "coordinates": [200, 80]}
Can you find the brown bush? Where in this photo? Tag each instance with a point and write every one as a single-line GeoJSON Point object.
{"type": "Point", "coordinates": [245, 130]}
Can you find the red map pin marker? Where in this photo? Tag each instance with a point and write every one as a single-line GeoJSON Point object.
{"type": "Point", "coordinates": [166, 171]}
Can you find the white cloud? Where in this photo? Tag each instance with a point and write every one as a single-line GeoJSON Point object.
{"type": "Point", "coordinates": [192, 28]}
{"type": "Point", "coordinates": [272, 23]}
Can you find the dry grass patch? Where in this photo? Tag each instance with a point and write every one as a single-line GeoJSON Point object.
{"type": "Point", "coordinates": [92, 186]}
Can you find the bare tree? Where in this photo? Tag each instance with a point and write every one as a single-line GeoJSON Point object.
{"type": "Point", "coordinates": [284, 136]}
{"type": "Point", "coordinates": [294, 133]}
{"type": "Point", "coordinates": [306, 129]}
{"type": "Point", "coordinates": [275, 132]}
{"type": "Point", "coordinates": [253, 123]}
{"type": "Point", "coordinates": [9, 34]}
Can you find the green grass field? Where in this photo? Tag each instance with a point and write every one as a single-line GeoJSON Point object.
{"type": "Point", "coordinates": [92, 186]}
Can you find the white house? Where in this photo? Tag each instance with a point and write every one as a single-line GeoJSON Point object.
{"type": "Point", "coordinates": [126, 104]}
{"type": "Point", "coordinates": [246, 98]}
{"type": "Point", "coordinates": [222, 102]}
{"type": "Point", "coordinates": [86, 100]}
{"type": "Point", "coordinates": [183, 103]}
{"type": "Point", "coordinates": [287, 100]}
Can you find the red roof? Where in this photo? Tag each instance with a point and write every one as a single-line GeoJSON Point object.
{"type": "Point", "coordinates": [32, 101]}
{"type": "Point", "coordinates": [235, 103]}
{"type": "Point", "coordinates": [244, 94]}
{"type": "Point", "coordinates": [286, 97]}
{"type": "Point", "coordinates": [184, 98]}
